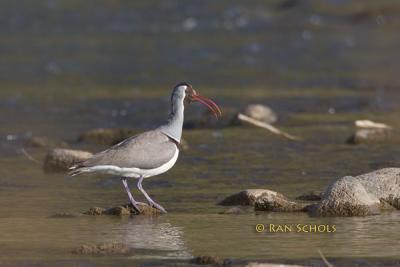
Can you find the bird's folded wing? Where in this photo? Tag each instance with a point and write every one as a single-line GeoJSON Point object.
{"type": "Point", "coordinates": [148, 150]}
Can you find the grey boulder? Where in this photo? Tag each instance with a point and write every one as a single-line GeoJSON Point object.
{"type": "Point", "coordinates": [361, 195]}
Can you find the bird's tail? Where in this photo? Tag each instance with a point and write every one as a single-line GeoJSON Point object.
{"type": "Point", "coordinates": [76, 170]}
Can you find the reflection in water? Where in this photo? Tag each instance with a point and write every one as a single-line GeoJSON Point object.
{"type": "Point", "coordinates": [150, 234]}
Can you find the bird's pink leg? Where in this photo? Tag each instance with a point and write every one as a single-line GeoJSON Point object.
{"type": "Point", "coordinates": [151, 202]}
{"type": "Point", "coordinates": [131, 199]}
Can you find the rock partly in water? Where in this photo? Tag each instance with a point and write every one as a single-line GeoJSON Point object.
{"type": "Point", "coordinates": [258, 112]}
{"type": "Point", "coordinates": [106, 136]}
{"type": "Point", "coordinates": [95, 211]}
{"type": "Point", "coordinates": [369, 136]}
{"type": "Point", "coordinates": [276, 202]}
{"type": "Point", "coordinates": [210, 260]}
{"type": "Point", "coordinates": [59, 159]}
{"type": "Point", "coordinates": [383, 184]}
{"type": "Point", "coordinates": [310, 196]}
{"type": "Point", "coordinates": [362, 195]}
{"type": "Point", "coordinates": [120, 211]}
{"type": "Point", "coordinates": [42, 141]}
{"type": "Point", "coordinates": [123, 210]}
{"type": "Point", "coordinates": [263, 200]}
{"type": "Point", "coordinates": [103, 249]}
{"type": "Point", "coordinates": [244, 198]}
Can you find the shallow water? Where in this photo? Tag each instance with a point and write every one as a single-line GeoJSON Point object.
{"type": "Point", "coordinates": [318, 65]}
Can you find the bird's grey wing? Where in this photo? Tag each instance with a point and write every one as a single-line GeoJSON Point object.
{"type": "Point", "coordinates": [148, 150]}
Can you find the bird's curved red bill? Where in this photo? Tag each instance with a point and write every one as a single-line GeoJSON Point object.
{"type": "Point", "coordinates": [211, 105]}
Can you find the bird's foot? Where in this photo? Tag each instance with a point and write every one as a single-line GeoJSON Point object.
{"type": "Point", "coordinates": [136, 204]}
{"type": "Point", "coordinates": [157, 206]}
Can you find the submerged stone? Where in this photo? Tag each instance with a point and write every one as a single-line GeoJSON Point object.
{"type": "Point", "coordinates": [95, 211]}
{"type": "Point", "coordinates": [123, 210]}
{"type": "Point", "coordinates": [210, 260]}
{"type": "Point", "coordinates": [368, 136]}
{"type": "Point", "coordinates": [59, 159]}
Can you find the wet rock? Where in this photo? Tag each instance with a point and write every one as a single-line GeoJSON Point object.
{"type": "Point", "coordinates": [362, 195]}
{"type": "Point", "coordinates": [383, 184]}
{"type": "Point", "coordinates": [347, 197]}
{"type": "Point", "coordinates": [106, 136]}
{"type": "Point", "coordinates": [103, 249]}
{"type": "Point", "coordinates": [392, 200]}
{"type": "Point", "coordinates": [234, 210]}
{"type": "Point", "coordinates": [42, 141]}
{"type": "Point", "coordinates": [276, 202]}
{"type": "Point", "coordinates": [119, 211]}
{"type": "Point", "coordinates": [210, 260]}
{"type": "Point", "coordinates": [123, 210]}
{"type": "Point", "coordinates": [263, 200]}
{"type": "Point", "coordinates": [59, 159]}
{"type": "Point", "coordinates": [368, 136]}
{"type": "Point", "coordinates": [95, 211]}
{"type": "Point", "coordinates": [258, 112]}
{"type": "Point", "coordinates": [310, 196]}
{"type": "Point", "coordinates": [243, 198]}
{"type": "Point", "coordinates": [127, 209]}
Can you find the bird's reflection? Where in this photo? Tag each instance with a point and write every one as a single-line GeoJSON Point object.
{"type": "Point", "coordinates": [152, 236]}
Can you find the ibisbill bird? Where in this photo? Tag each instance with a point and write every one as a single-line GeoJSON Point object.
{"type": "Point", "coordinates": [150, 153]}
